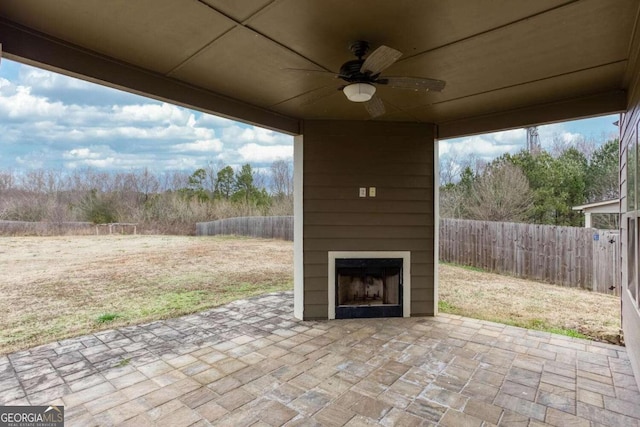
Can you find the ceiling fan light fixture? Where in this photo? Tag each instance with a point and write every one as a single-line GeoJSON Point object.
{"type": "Point", "coordinates": [359, 92]}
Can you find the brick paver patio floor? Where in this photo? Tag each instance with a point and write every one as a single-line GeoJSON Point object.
{"type": "Point", "coordinates": [252, 363]}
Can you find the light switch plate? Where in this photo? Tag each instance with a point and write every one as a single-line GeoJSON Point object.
{"type": "Point", "coordinates": [372, 191]}
{"type": "Point", "coordinates": [363, 192]}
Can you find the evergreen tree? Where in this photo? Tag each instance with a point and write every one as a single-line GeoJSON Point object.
{"type": "Point", "coordinates": [196, 184]}
{"type": "Point", "coordinates": [244, 189]}
{"type": "Point", "coordinates": [603, 182]}
{"type": "Point", "coordinates": [570, 170]}
{"type": "Point", "coordinates": [225, 183]}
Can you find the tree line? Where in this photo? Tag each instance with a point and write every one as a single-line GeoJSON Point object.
{"type": "Point", "coordinates": [538, 186]}
{"type": "Point", "coordinates": [166, 202]}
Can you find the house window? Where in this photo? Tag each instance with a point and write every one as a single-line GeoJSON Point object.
{"type": "Point", "coordinates": [632, 165]}
{"type": "Point", "coordinates": [632, 259]}
{"type": "Point", "coordinates": [635, 287]}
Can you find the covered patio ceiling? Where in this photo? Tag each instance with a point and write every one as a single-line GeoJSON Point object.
{"type": "Point", "coordinates": [505, 63]}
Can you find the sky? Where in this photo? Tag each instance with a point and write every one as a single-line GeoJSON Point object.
{"type": "Point", "coordinates": [51, 121]}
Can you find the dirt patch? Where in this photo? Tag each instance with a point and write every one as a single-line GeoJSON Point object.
{"type": "Point", "coordinates": [57, 287]}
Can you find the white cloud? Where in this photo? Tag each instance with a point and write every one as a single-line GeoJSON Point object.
{"type": "Point", "coordinates": [549, 134]}
{"type": "Point", "coordinates": [485, 147]}
{"type": "Point", "coordinates": [152, 113]}
{"type": "Point", "coordinates": [207, 145]}
{"type": "Point", "coordinates": [37, 78]}
{"type": "Point", "coordinates": [31, 161]}
{"type": "Point", "coordinates": [105, 163]}
{"type": "Point", "coordinates": [183, 163]}
{"type": "Point", "coordinates": [509, 137]}
{"type": "Point", "coordinates": [215, 121]}
{"type": "Point", "coordinates": [50, 120]}
{"type": "Point", "coordinates": [82, 154]}
{"type": "Point", "coordinates": [239, 135]}
{"type": "Point", "coordinates": [255, 134]}
{"type": "Point", "coordinates": [22, 104]}
{"type": "Point", "coordinates": [254, 153]}
{"type": "Point", "coordinates": [103, 157]}
{"type": "Point", "coordinates": [570, 137]}
{"type": "Point", "coordinates": [83, 124]}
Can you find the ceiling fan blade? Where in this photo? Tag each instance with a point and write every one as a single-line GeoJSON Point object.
{"type": "Point", "coordinates": [315, 95]}
{"type": "Point", "coordinates": [415, 83]}
{"type": "Point", "coordinates": [379, 59]}
{"type": "Point", "coordinates": [321, 72]}
{"type": "Point", "coordinates": [375, 107]}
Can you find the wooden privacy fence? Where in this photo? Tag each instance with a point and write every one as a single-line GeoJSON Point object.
{"type": "Point", "coordinates": [272, 227]}
{"type": "Point", "coordinates": [566, 256]}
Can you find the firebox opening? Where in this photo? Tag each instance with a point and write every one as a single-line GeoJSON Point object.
{"type": "Point", "coordinates": [368, 287]}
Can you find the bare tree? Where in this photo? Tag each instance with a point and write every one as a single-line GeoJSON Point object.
{"type": "Point", "coordinates": [34, 181]}
{"type": "Point", "coordinates": [586, 146]}
{"type": "Point", "coordinates": [260, 179]}
{"type": "Point", "coordinates": [501, 193]}
{"type": "Point", "coordinates": [145, 183]}
{"type": "Point", "coordinates": [7, 181]}
{"type": "Point", "coordinates": [452, 202]}
{"type": "Point", "coordinates": [282, 178]}
{"type": "Point", "coordinates": [477, 164]}
{"type": "Point", "coordinates": [449, 169]}
{"type": "Point", "coordinates": [57, 196]}
{"type": "Point", "coordinates": [451, 166]}
{"type": "Point", "coordinates": [172, 181]}
{"type": "Point", "coordinates": [211, 176]}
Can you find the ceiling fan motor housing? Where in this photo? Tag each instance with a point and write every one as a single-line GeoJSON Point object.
{"type": "Point", "coordinates": [359, 48]}
{"type": "Point", "coordinates": [350, 72]}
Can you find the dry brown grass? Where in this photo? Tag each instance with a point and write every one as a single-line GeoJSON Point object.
{"type": "Point", "coordinates": [57, 287]}
{"type": "Point", "coordinates": [534, 305]}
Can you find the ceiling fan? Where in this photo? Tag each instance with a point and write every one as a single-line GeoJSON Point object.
{"type": "Point", "coordinates": [363, 74]}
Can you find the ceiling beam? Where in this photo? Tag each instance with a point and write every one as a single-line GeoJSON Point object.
{"type": "Point", "coordinates": [572, 109]}
{"type": "Point", "coordinates": [31, 47]}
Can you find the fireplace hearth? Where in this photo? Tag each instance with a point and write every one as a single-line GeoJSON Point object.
{"type": "Point", "coordinates": [368, 287]}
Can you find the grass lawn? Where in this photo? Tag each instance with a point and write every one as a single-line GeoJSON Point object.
{"type": "Point", "coordinates": [568, 311]}
{"type": "Point", "coordinates": [56, 287]}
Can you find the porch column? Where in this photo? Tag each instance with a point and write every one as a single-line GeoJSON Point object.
{"type": "Point", "coordinates": [298, 221]}
{"type": "Point", "coordinates": [587, 219]}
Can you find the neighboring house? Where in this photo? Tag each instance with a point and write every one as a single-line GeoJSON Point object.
{"type": "Point", "coordinates": [606, 207]}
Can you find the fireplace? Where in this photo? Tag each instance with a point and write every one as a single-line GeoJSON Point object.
{"type": "Point", "coordinates": [368, 284]}
{"type": "Point", "coordinates": [368, 287]}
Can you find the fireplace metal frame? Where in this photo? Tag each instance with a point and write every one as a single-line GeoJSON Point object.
{"type": "Point", "coordinates": [405, 279]}
{"type": "Point", "coordinates": [361, 265]}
